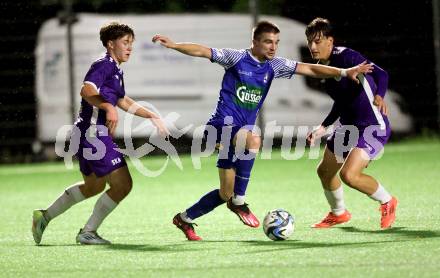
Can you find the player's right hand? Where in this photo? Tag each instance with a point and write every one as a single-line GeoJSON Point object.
{"type": "Point", "coordinates": [163, 40]}
{"type": "Point", "coordinates": [161, 127]}
{"type": "Point", "coordinates": [315, 134]}
{"type": "Point", "coordinates": [363, 67]}
{"type": "Point", "coordinates": [111, 119]}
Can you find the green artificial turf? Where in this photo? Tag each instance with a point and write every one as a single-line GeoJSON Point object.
{"type": "Point", "coordinates": [145, 243]}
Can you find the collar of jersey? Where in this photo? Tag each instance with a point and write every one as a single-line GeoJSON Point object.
{"type": "Point", "coordinates": [107, 55]}
{"type": "Point", "coordinates": [254, 59]}
{"type": "Point", "coordinates": [331, 56]}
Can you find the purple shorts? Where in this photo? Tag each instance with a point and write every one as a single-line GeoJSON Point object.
{"type": "Point", "coordinates": [371, 139]}
{"type": "Point", "coordinates": [101, 159]}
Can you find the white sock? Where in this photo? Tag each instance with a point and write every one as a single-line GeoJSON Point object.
{"type": "Point", "coordinates": [336, 200]}
{"type": "Point", "coordinates": [185, 217]}
{"type": "Point", "coordinates": [70, 196]}
{"type": "Point", "coordinates": [237, 199]}
{"type": "Point", "coordinates": [381, 195]}
{"type": "Point", "coordinates": [102, 208]}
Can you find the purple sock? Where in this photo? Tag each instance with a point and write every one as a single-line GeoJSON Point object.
{"type": "Point", "coordinates": [207, 203]}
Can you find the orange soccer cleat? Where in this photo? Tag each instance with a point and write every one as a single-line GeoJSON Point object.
{"type": "Point", "coordinates": [388, 211]}
{"type": "Point", "coordinates": [331, 219]}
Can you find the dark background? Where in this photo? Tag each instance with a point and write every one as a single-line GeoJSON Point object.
{"type": "Point", "coordinates": [397, 35]}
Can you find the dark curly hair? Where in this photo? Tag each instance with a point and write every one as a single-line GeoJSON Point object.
{"type": "Point", "coordinates": [114, 31]}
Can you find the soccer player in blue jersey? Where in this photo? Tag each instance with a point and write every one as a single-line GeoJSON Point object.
{"type": "Point", "coordinates": [349, 151]}
{"type": "Point", "coordinates": [103, 89]}
{"type": "Point", "coordinates": [246, 82]}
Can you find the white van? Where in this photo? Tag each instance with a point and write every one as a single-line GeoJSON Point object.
{"type": "Point", "coordinates": [171, 81]}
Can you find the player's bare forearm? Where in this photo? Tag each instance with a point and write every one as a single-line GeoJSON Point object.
{"type": "Point", "coordinates": [89, 93]}
{"type": "Point", "coordinates": [191, 49]}
{"type": "Point", "coordinates": [129, 105]}
{"type": "Point", "coordinates": [321, 71]}
{"type": "Point", "coordinates": [317, 71]}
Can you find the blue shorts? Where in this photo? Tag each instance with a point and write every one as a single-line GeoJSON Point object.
{"type": "Point", "coordinates": [225, 157]}
{"type": "Point", "coordinates": [111, 159]}
{"type": "Point", "coordinates": [371, 139]}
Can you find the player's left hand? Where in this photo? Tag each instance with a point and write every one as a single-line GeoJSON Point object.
{"type": "Point", "coordinates": [316, 133]}
{"type": "Point", "coordinates": [161, 128]}
{"type": "Point", "coordinates": [163, 40]}
{"type": "Point", "coordinates": [353, 72]}
{"type": "Point", "coordinates": [381, 104]}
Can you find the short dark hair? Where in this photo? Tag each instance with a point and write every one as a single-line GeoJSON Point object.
{"type": "Point", "coordinates": [319, 26]}
{"type": "Point", "coordinates": [264, 27]}
{"type": "Point", "coordinates": [113, 31]}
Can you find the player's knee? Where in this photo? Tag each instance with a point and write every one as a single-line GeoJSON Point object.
{"type": "Point", "coordinates": [99, 187]}
{"type": "Point", "coordinates": [123, 188]}
{"type": "Point", "coordinates": [91, 189]}
{"type": "Point", "coordinates": [348, 177]}
{"type": "Point", "coordinates": [128, 186]}
{"type": "Point", "coordinates": [254, 143]}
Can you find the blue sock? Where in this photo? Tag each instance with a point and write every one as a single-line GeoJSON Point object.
{"type": "Point", "coordinates": [243, 170]}
{"type": "Point", "coordinates": [207, 203]}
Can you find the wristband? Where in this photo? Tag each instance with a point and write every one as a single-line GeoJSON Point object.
{"type": "Point", "coordinates": [343, 73]}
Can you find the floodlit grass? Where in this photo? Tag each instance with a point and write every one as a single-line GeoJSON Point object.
{"type": "Point", "coordinates": [147, 244]}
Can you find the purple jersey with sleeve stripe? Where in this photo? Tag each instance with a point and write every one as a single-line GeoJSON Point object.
{"type": "Point", "coordinates": [107, 78]}
{"type": "Point", "coordinates": [354, 102]}
{"type": "Point", "coordinates": [245, 84]}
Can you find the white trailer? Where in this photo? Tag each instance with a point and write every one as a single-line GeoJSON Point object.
{"type": "Point", "coordinates": [171, 81]}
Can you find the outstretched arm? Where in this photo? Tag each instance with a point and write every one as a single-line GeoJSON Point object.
{"type": "Point", "coordinates": [191, 49]}
{"type": "Point", "coordinates": [321, 71]}
{"type": "Point", "coordinates": [129, 105]}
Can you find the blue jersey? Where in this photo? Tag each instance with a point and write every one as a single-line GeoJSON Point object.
{"type": "Point", "coordinates": [245, 84]}
{"type": "Point", "coordinates": [107, 78]}
{"type": "Point", "coordinates": [354, 102]}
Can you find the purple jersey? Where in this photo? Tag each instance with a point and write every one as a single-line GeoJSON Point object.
{"type": "Point", "coordinates": [107, 78]}
{"type": "Point", "coordinates": [245, 84]}
{"type": "Point", "coordinates": [354, 102]}
{"type": "Point", "coordinates": [97, 152]}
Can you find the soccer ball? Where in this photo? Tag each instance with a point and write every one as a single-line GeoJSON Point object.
{"type": "Point", "coordinates": [278, 224]}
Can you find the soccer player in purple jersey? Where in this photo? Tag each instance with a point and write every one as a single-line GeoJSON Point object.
{"type": "Point", "coordinates": [103, 89]}
{"type": "Point", "coordinates": [349, 150]}
{"type": "Point", "coordinates": [246, 82]}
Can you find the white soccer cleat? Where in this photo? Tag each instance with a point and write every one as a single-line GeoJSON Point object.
{"type": "Point", "coordinates": [90, 238]}
{"type": "Point", "coordinates": [39, 224]}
